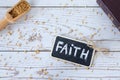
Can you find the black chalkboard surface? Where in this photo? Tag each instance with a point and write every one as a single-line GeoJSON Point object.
{"type": "Point", "coordinates": [73, 51]}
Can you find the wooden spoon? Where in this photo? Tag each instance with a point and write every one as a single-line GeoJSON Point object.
{"type": "Point", "coordinates": [21, 8]}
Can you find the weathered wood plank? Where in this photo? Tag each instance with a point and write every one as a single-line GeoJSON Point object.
{"type": "Point", "coordinates": [44, 59]}
{"type": "Point", "coordinates": [74, 78]}
{"type": "Point", "coordinates": [29, 65]}
{"type": "Point", "coordinates": [39, 27]}
{"type": "Point", "coordinates": [52, 2]}
{"type": "Point", "coordinates": [43, 46]}
{"type": "Point", "coordinates": [34, 73]}
{"type": "Point", "coordinates": [37, 30]}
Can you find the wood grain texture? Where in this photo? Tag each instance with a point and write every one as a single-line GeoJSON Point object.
{"type": "Point", "coordinates": [25, 46]}
{"type": "Point", "coordinates": [14, 65]}
{"type": "Point", "coordinates": [52, 3]}
{"type": "Point", "coordinates": [40, 27]}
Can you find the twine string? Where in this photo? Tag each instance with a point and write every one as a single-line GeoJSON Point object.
{"type": "Point", "coordinates": [93, 45]}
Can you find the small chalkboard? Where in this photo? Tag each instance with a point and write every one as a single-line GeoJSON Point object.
{"type": "Point", "coordinates": [73, 51]}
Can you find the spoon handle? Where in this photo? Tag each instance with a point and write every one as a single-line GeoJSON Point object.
{"type": "Point", "coordinates": [3, 23]}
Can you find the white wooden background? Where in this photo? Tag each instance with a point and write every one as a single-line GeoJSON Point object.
{"type": "Point", "coordinates": [25, 46]}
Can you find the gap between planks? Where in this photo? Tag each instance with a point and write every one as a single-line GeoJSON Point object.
{"type": "Point", "coordinates": [25, 50]}
{"type": "Point", "coordinates": [73, 78]}
{"type": "Point", "coordinates": [56, 6]}
{"type": "Point", "coordinates": [39, 51]}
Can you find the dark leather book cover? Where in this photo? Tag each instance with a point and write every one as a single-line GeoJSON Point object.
{"type": "Point", "coordinates": [112, 9]}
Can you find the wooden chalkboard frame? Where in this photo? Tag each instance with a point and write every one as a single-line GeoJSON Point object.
{"type": "Point", "coordinates": [92, 58]}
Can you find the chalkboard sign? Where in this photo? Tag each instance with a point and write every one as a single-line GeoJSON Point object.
{"type": "Point", "coordinates": [73, 51]}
